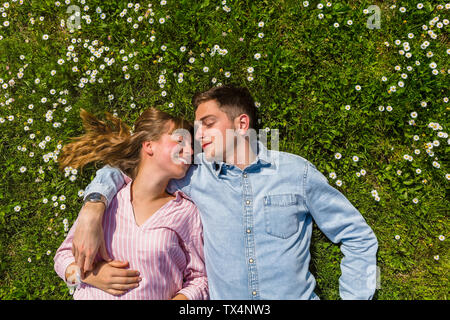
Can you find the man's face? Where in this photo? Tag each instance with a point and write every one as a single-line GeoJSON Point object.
{"type": "Point", "coordinates": [211, 126]}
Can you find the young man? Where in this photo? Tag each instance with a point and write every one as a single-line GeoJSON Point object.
{"type": "Point", "coordinates": [256, 208]}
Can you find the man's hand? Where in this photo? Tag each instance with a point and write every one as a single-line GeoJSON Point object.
{"type": "Point", "coordinates": [88, 237]}
{"type": "Point", "coordinates": [113, 278]}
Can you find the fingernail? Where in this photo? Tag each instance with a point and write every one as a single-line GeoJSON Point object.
{"type": "Point", "coordinates": [139, 278]}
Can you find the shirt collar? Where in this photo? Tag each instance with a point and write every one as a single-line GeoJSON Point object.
{"type": "Point", "coordinates": [178, 194]}
{"type": "Point", "coordinates": [263, 157]}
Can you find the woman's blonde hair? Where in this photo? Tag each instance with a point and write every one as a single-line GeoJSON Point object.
{"type": "Point", "coordinates": [113, 144]}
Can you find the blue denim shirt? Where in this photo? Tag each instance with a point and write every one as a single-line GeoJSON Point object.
{"type": "Point", "coordinates": [257, 226]}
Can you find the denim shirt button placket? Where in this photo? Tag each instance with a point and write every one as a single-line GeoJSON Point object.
{"type": "Point", "coordinates": [250, 250]}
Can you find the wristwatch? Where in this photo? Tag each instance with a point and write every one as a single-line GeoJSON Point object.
{"type": "Point", "coordinates": [95, 197]}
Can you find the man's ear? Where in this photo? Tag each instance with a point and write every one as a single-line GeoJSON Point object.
{"type": "Point", "coordinates": [242, 123]}
{"type": "Point", "coordinates": [147, 147]}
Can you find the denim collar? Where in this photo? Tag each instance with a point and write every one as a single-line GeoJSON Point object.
{"type": "Point", "coordinates": [263, 158]}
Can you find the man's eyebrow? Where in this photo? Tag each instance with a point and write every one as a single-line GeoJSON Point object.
{"type": "Point", "coordinates": [206, 117]}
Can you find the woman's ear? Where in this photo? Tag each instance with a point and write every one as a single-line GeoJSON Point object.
{"type": "Point", "coordinates": [147, 147]}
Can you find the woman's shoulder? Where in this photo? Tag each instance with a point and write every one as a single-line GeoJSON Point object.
{"type": "Point", "coordinates": [121, 199]}
{"type": "Point", "coordinates": [185, 208]}
{"type": "Point", "coordinates": [184, 203]}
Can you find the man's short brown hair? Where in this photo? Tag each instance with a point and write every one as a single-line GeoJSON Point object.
{"type": "Point", "coordinates": [234, 101]}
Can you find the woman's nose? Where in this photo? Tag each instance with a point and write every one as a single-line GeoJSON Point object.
{"type": "Point", "coordinates": [198, 133]}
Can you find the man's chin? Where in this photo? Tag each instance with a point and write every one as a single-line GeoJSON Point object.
{"type": "Point", "coordinates": [208, 156]}
{"type": "Point", "coordinates": [211, 157]}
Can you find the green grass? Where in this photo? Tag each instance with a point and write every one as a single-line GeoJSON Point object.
{"type": "Point", "coordinates": [305, 77]}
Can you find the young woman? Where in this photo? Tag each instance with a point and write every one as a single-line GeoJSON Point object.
{"type": "Point", "coordinates": [154, 238]}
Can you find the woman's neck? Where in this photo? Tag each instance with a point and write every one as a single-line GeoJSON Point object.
{"type": "Point", "coordinates": [148, 186]}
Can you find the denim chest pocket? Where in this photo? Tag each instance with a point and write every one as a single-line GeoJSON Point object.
{"type": "Point", "coordinates": [281, 214]}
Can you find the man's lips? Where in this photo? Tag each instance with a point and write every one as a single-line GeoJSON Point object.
{"type": "Point", "coordinates": [205, 144]}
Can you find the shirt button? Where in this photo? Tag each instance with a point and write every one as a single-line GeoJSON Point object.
{"type": "Point", "coordinates": [254, 293]}
{"type": "Point", "coordinates": [245, 175]}
{"type": "Point", "coordinates": [247, 202]}
{"type": "Point", "coordinates": [251, 260]}
{"type": "Point", "coordinates": [249, 231]}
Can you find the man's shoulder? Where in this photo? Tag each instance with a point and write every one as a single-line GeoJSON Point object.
{"type": "Point", "coordinates": [287, 158]}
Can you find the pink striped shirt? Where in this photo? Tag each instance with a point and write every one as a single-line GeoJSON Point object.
{"type": "Point", "coordinates": [167, 250]}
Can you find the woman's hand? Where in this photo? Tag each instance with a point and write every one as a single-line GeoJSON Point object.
{"type": "Point", "coordinates": [180, 297]}
{"type": "Point", "coordinates": [112, 277]}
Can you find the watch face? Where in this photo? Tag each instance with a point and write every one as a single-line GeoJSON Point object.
{"type": "Point", "coordinates": [94, 197]}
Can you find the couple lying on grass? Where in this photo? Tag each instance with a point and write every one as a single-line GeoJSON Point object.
{"type": "Point", "coordinates": [231, 222]}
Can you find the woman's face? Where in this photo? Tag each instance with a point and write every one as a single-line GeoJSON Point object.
{"type": "Point", "coordinates": [173, 152]}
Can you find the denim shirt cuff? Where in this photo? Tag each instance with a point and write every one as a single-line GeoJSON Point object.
{"type": "Point", "coordinates": [103, 189]}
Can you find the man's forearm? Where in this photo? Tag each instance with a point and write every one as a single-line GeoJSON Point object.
{"type": "Point", "coordinates": [108, 181]}
{"type": "Point", "coordinates": [93, 210]}
{"type": "Point", "coordinates": [342, 222]}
